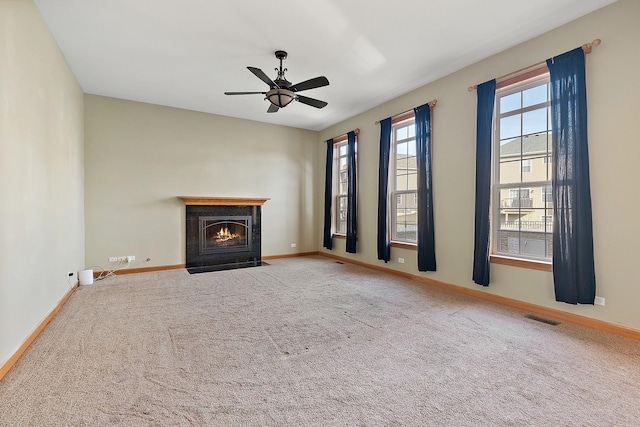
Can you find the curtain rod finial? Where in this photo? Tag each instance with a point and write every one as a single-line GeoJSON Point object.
{"type": "Point", "coordinates": [587, 47]}
{"type": "Point", "coordinates": [472, 88]}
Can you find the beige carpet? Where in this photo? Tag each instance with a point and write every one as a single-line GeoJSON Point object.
{"type": "Point", "coordinates": [311, 342]}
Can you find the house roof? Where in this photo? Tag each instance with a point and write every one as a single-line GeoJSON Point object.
{"type": "Point", "coordinates": [536, 143]}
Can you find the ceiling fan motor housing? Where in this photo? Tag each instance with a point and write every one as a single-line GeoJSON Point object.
{"type": "Point", "coordinates": [282, 83]}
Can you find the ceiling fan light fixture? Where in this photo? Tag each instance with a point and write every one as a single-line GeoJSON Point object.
{"type": "Point", "coordinates": [280, 97]}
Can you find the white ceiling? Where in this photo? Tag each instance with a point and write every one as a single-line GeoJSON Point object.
{"type": "Point", "coordinates": [186, 53]}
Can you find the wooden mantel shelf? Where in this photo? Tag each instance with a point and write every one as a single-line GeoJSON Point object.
{"type": "Point", "coordinates": [222, 201]}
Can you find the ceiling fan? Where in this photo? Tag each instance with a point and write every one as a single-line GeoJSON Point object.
{"type": "Point", "coordinates": [281, 91]}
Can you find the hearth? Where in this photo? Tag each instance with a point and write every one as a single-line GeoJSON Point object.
{"type": "Point", "coordinates": [221, 235]}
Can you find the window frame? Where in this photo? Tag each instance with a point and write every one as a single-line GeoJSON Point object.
{"type": "Point", "coordinates": [519, 85]}
{"type": "Point", "coordinates": [407, 121]}
{"type": "Point", "coordinates": [337, 195]}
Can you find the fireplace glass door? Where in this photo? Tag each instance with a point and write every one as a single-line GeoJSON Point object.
{"type": "Point", "coordinates": [224, 234]}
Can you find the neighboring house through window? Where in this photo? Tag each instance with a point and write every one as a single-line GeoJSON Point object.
{"type": "Point", "coordinates": [522, 204]}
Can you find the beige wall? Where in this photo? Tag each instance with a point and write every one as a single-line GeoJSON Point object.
{"type": "Point", "coordinates": [140, 157]}
{"type": "Point", "coordinates": [613, 93]}
{"type": "Point", "coordinates": [41, 174]}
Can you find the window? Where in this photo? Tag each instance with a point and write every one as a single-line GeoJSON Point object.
{"type": "Point", "coordinates": [522, 220]}
{"type": "Point", "coordinates": [546, 196]}
{"type": "Point", "coordinates": [518, 197]}
{"type": "Point", "coordinates": [404, 183]}
{"type": "Point", "coordinates": [520, 192]}
{"type": "Point", "coordinates": [341, 188]}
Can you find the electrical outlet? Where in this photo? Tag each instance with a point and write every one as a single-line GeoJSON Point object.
{"type": "Point", "coordinates": [401, 260]}
{"type": "Point", "coordinates": [122, 258]}
{"type": "Point", "coordinates": [598, 301]}
{"type": "Point", "coordinates": [131, 258]}
{"type": "Point", "coordinates": [113, 259]}
{"type": "Point", "coordinates": [293, 245]}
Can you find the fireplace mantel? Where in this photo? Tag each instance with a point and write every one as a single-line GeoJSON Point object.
{"type": "Point", "coordinates": [222, 201]}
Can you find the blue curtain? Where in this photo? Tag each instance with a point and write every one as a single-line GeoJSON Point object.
{"type": "Point", "coordinates": [384, 244]}
{"type": "Point", "coordinates": [426, 232]}
{"type": "Point", "coordinates": [484, 129]}
{"type": "Point", "coordinates": [352, 194]}
{"type": "Point", "coordinates": [573, 264]}
{"type": "Point", "coordinates": [328, 195]}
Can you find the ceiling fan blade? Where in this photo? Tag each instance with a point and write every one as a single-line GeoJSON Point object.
{"type": "Point", "coordinates": [244, 93]}
{"type": "Point", "coordinates": [262, 76]}
{"type": "Point", "coordinates": [310, 84]}
{"type": "Point", "coordinates": [311, 101]}
{"type": "Point", "coordinates": [272, 109]}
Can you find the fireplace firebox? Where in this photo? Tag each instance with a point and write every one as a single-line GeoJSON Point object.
{"type": "Point", "coordinates": [221, 235]}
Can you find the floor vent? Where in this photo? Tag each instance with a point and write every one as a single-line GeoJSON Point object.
{"type": "Point", "coordinates": [542, 319]}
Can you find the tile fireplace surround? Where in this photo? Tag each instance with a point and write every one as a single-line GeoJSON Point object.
{"type": "Point", "coordinates": [222, 233]}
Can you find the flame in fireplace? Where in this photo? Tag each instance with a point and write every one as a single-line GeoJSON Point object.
{"type": "Point", "coordinates": [225, 235]}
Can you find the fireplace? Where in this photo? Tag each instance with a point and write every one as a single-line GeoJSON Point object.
{"type": "Point", "coordinates": [219, 234]}
{"type": "Point", "coordinates": [222, 233]}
